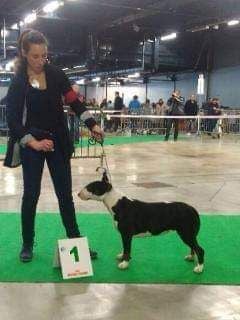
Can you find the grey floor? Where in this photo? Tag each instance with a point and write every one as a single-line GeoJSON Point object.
{"type": "Point", "coordinates": [202, 172]}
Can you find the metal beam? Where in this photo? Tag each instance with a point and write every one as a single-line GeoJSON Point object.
{"type": "Point", "coordinates": [2, 3]}
{"type": "Point", "coordinates": [151, 10]}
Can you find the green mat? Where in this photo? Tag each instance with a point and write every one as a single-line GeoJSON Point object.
{"type": "Point", "coordinates": [117, 140]}
{"type": "Point", "coordinates": [155, 259]}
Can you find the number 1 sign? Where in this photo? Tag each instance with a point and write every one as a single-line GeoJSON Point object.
{"type": "Point", "coordinates": [74, 258]}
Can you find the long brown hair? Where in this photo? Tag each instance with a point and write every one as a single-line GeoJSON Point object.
{"type": "Point", "coordinates": [25, 40]}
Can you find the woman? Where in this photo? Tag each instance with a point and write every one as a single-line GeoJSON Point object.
{"type": "Point", "coordinates": [36, 121]}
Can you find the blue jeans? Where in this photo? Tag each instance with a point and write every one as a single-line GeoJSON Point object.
{"type": "Point", "coordinates": [60, 171]}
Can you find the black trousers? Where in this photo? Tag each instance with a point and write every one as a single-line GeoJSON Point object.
{"type": "Point", "coordinates": [175, 122]}
{"type": "Point", "coordinates": [116, 121]}
{"type": "Point", "coordinates": [60, 171]}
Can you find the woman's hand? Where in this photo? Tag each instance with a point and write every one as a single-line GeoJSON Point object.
{"type": "Point", "coordinates": [97, 133]}
{"type": "Point", "coordinates": [45, 145]}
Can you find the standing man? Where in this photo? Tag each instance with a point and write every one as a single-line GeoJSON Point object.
{"type": "Point", "coordinates": [175, 104]}
{"type": "Point", "coordinates": [134, 106]}
{"type": "Point", "coordinates": [213, 109]}
{"type": "Point", "coordinates": [118, 106]}
{"type": "Point", "coordinates": [191, 109]}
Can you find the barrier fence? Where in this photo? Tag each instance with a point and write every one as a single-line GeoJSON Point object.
{"type": "Point", "coordinates": [117, 123]}
{"type": "Point", "coordinates": [200, 124]}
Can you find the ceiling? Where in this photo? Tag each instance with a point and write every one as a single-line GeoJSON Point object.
{"type": "Point", "coordinates": [81, 29]}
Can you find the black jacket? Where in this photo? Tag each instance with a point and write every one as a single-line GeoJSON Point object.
{"type": "Point", "coordinates": [191, 108]}
{"type": "Point", "coordinates": [175, 107]}
{"type": "Point", "coordinates": [58, 86]}
{"type": "Point", "coordinates": [118, 103]}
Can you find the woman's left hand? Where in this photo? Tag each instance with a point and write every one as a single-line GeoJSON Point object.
{"type": "Point", "coordinates": [97, 133]}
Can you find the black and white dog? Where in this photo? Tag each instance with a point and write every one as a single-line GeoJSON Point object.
{"type": "Point", "coordinates": [134, 217]}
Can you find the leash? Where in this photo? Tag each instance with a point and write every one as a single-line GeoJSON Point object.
{"type": "Point", "coordinates": [103, 157]}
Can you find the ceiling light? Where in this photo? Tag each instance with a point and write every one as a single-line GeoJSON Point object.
{"type": "Point", "coordinates": [135, 75]}
{"type": "Point", "coordinates": [51, 6]}
{"type": "Point", "coordinates": [15, 26]}
{"type": "Point", "coordinates": [200, 28]}
{"type": "Point", "coordinates": [81, 81]}
{"type": "Point", "coordinates": [233, 22]}
{"type": "Point", "coordinates": [97, 79]}
{"type": "Point", "coordinates": [80, 66]}
{"type": "Point", "coordinates": [169, 36]}
{"type": "Point", "coordinates": [30, 18]}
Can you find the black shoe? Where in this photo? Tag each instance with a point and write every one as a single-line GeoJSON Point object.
{"type": "Point", "coordinates": [93, 254]}
{"type": "Point", "coordinates": [26, 253]}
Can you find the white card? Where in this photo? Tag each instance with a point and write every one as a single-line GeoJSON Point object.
{"type": "Point", "coordinates": [74, 256]}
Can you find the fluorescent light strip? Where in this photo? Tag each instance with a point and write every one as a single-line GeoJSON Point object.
{"type": "Point", "coordinates": [81, 81]}
{"type": "Point", "coordinates": [233, 22]}
{"type": "Point", "coordinates": [51, 6]}
{"type": "Point", "coordinates": [30, 18]}
{"type": "Point", "coordinates": [97, 79]}
{"type": "Point", "coordinates": [135, 75]}
{"type": "Point", "coordinates": [169, 36]}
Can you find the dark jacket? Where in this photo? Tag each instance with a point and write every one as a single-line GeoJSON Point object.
{"type": "Point", "coordinates": [213, 109]}
{"type": "Point", "coordinates": [118, 103]}
{"type": "Point", "coordinates": [58, 86]}
{"type": "Point", "coordinates": [175, 107]}
{"type": "Point", "coordinates": [191, 108]}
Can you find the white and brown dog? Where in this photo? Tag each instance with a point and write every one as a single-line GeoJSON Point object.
{"type": "Point", "coordinates": [134, 217]}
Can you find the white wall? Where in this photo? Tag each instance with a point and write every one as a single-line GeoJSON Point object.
{"type": "Point", "coordinates": [187, 83]}
{"type": "Point", "coordinates": [224, 84]}
{"type": "Point", "coordinates": [3, 92]}
{"type": "Point", "coordinates": [155, 92]}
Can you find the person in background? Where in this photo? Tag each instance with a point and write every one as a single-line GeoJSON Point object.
{"type": "Point", "coordinates": [95, 103]}
{"type": "Point", "coordinates": [175, 104]}
{"type": "Point", "coordinates": [154, 106]}
{"type": "Point", "coordinates": [109, 104]}
{"type": "Point", "coordinates": [147, 107]}
{"type": "Point", "coordinates": [191, 109]}
{"type": "Point", "coordinates": [161, 108]}
{"type": "Point", "coordinates": [36, 121]}
{"type": "Point", "coordinates": [103, 104]}
{"type": "Point", "coordinates": [134, 106]}
{"type": "Point", "coordinates": [213, 109]}
{"type": "Point", "coordinates": [118, 106]}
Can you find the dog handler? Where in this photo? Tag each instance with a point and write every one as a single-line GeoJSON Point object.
{"type": "Point", "coordinates": [38, 132]}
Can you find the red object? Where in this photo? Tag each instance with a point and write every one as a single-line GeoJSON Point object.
{"type": "Point", "coordinates": [70, 96]}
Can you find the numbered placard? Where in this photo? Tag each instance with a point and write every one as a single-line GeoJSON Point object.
{"type": "Point", "coordinates": [74, 258]}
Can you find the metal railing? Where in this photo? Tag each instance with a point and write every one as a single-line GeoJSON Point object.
{"type": "Point", "coordinates": [200, 124]}
{"type": "Point", "coordinates": [117, 123]}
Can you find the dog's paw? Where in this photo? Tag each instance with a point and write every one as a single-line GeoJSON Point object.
{"type": "Point", "coordinates": [198, 268]}
{"type": "Point", "coordinates": [119, 256]}
{"type": "Point", "coordinates": [123, 265]}
{"type": "Point", "coordinates": [189, 257]}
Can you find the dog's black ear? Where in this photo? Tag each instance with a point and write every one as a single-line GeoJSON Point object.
{"type": "Point", "coordinates": [105, 177]}
{"type": "Point", "coordinates": [109, 187]}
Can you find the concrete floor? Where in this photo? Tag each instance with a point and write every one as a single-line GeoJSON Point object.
{"type": "Point", "coordinates": [202, 172]}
